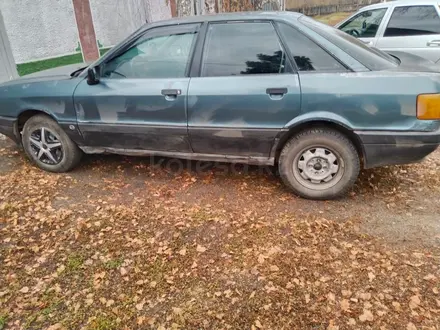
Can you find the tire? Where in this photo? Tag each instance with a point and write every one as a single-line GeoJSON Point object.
{"type": "Point", "coordinates": [58, 153]}
{"type": "Point", "coordinates": [338, 161]}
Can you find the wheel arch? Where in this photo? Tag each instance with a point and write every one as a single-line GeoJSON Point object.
{"type": "Point", "coordinates": [26, 114]}
{"type": "Point", "coordinates": [321, 123]}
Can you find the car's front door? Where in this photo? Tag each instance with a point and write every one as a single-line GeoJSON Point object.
{"type": "Point", "coordinates": [245, 93]}
{"type": "Point", "coordinates": [365, 25]}
{"type": "Point", "coordinates": [413, 29]}
{"type": "Point", "coordinates": [140, 100]}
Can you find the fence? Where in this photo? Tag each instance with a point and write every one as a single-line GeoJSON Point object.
{"type": "Point", "coordinates": [200, 7]}
{"type": "Point", "coordinates": [323, 7]}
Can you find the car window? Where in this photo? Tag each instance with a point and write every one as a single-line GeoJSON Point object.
{"type": "Point", "coordinates": [372, 58]}
{"type": "Point", "coordinates": [365, 24]}
{"type": "Point", "coordinates": [164, 56]}
{"type": "Point", "coordinates": [242, 48]}
{"type": "Point", "coordinates": [413, 21]}
{"type": "Point", "coordinates": [307, 54]}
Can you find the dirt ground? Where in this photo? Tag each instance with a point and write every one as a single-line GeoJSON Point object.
{"type": "Point", "coordinates": [136, 243]}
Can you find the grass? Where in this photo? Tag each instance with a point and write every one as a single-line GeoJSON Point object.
{"type": "Point", "coordinates": [103, 323]}
{"type": "Point", "coordinates": [31, 67]}
{"type": "Point", "coordinates": [113, 264]}
{"type": "Point", "coordinates": [332, 19]}
{"type": "Point", "coordinates": [3, 319]}
{"type": "Point", "coordinates": [74, 262]}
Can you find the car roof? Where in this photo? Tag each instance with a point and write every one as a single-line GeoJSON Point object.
{"type": "Point", "coordinates": [248, 15]}
{"type": "Point", "coordinates": [399, 3]}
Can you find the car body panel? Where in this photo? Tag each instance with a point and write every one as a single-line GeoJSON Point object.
{"type": "Point", "coordinates": [122, 113]}
{"type": "Point", "coordinates": [426, 46]}
{"type": "Point", "coordinates": [234, 118]}
{"type": "Point", "coordinates": [236, 115]}
{"type": "Point", "coordinates": [51, 95]}
{"type": "Point", "coordinates": [359, 98]}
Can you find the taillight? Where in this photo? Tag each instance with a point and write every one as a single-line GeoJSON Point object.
{"type": "Point", "coordinates": [428, 106]}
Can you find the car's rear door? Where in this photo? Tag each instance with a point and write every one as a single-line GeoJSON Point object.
{"type": "Point", "coordinates": [414, 29]}
{"type": "Point", "coordinates": [140, 101]}
{"type": "Point", "coordinates": [365, 25]}
{"type": "Point", "coordinates": [244, 91]}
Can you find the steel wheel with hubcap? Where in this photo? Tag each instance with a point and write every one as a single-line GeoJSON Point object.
{"type": "Point", "coordinates": [319, 163]}
{"type": "Point", "coordinates": [318, 168]}
{"type": "Point", "coordinates": [48, 146]}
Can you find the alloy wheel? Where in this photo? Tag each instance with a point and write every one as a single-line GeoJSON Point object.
{"type": "Point", "coordinates": [46, 146]}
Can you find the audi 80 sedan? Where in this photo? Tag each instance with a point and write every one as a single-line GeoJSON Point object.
{"type": "Point", "coordinates": [258, 88]}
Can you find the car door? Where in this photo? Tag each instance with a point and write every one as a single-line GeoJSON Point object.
{"type": "Point", "coordinates": [365, 25]}
{"type": "Point", "coordinates": [413, 29]}
{"type": "Point", "coordinates": [140, 100]}
{"type": "Point", "coordinates": [244, 92]}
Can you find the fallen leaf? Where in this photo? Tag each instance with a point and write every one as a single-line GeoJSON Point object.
{"type": "Point", "coordinates": [200, 249]}
{"type": "Point", "coordinates": [414, 302]}
{"type": "Point", "coordinates": [24, 289]}
{"type": "Point", "coordinates": [411, 326]}
{"type": "Point", "coordinates": [274, 268]}
{"type": "Point", "coordinates": [345, 305]}
{"type": "Point", "coordinates": [366, 316]}
{"type": "Point", "coordinates": [140, 306]}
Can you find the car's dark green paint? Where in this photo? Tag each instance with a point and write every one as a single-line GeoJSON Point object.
{"type": "Point", "coordinates": [234, 117]}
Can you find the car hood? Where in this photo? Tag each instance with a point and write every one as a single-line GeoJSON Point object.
{"type": "Point", "coordinates": [414, 63]}
{"type": "Point", "coordinates": [59, 73]}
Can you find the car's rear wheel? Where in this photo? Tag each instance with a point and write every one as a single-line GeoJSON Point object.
{"type": "Point", "coordinates": [319, 163]}
{"type": "Point", "coordinates": [48, 146]}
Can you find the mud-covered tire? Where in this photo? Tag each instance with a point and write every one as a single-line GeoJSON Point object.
{"type": "Point", "coordinates": [306, 164]}
{"type": "Point", "coordinates": [59, 153]}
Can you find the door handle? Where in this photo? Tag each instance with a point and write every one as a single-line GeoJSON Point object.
{"type": "Point", "coordinates": [171, 92]}
{"type": "Point", "coordinates": [276, 91]}
{"type": "Point", "coordinates": [433, 43]}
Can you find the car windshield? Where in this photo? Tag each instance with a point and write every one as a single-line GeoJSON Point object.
{"type": "Point", "coordinates": [371, 57]}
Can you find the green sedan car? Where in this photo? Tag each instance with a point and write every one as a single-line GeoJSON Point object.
{"type": "Point", "coordinates": [260, 88]}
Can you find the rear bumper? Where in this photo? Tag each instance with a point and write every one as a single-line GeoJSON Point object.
{"type": "Point", "coordinates": [395, 148]}
{"type": "Point", "coordinates": [9, 128]}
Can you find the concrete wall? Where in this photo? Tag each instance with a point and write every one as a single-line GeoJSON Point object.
{"type": "Point", "coordinates": [116, 19]}
{"type": "Point", "coordinates": [40, 29]}
{"type": "Point", "coordinates": [8, 70]}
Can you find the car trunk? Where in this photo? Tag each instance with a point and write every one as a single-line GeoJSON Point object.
{"type": "Point", "coordinates": [414, 63]}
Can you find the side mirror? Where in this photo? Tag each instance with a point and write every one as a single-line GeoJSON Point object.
{"type": "Point", "coordinates": [93, 75]}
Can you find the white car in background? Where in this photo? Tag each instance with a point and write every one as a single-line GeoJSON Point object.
{"type": "Point", "coordinates": [409, 26]}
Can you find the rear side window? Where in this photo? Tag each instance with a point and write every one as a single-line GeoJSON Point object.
{"type": "Point", "coordinates": [413, 21]}
{"type": "Point", "coordinates": [372, 58]}
{"type": "Point", "coordinates": [307, 54]}
{"type": "Point", "coordinates": [233, 49]}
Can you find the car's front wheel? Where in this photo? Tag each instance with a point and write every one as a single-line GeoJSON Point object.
{"type": "Point", "coordinates": [48, 146]}
{"type": "Point", "coordinates": [319, 163]}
